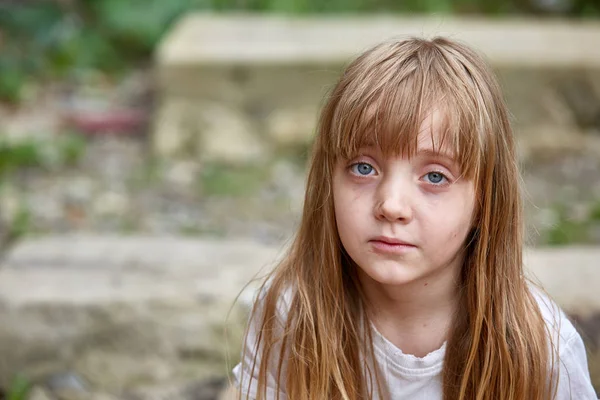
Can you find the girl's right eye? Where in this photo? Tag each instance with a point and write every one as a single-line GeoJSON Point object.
{"type": "Point", "coordinates": [362, 169]}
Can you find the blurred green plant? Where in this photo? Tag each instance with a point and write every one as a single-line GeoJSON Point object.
{"type": "Point", "coordinates": [66, 150]}
{"type": "Point", "coordinates": [48, 40]}
{"type": "Point", "coordinates": [135, 26]}
{"type": "Point", "coordinates": [19, 389]}
{"type": "Point", "coordinates": [71, 148]}
{"type": "Point", "coordinates": [20, 224]}
{"type": "Point", "coordinates": [567, 230]}
{"type": "Point", "coordinates": [18, 155]}
{"type": "Point", "coordinates": [595, 211]}
{"type": "Point", "coordinates": [234, 181]}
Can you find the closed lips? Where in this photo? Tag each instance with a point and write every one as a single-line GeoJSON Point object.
{"type": "Point", "coordinates": [391, 241]}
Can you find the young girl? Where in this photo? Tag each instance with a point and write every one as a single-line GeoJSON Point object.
{"type": "Point", "coordinates": [405, 280]}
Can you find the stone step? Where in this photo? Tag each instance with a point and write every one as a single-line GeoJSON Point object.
{"type": "Point", "coordinates": [129, 316]}
{"type": "Point", "coordinates": [247, 39]}
{"type": "Point", "coordinates": [237, 88]}
{"type": "Point", "coordinates": [135, 314]}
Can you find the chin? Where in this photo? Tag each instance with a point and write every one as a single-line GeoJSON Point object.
{"type": "Point", "coordinates": [393, 275]}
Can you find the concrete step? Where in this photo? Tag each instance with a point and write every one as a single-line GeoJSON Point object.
{"type": "Point", "coordinates": [136, 314]}
{"type": "Point", "coordinates": [236, 88]}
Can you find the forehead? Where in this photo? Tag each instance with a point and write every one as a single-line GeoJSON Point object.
{"type": "Point", "coordinates": [431, 138]}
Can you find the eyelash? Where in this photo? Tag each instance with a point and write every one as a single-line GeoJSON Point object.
{"type": "Point", "coordinates": [444, 176]}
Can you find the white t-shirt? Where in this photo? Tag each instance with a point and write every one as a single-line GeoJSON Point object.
{"type": "Point", "coordinates": [416, 378]}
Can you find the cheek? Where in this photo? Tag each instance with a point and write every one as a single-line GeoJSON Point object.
{"type": "Point", "coordinates": [347, 206]}
{"type": "Point", "coordinates": [349, 199]}
{"type": "Point", "coordinates": [449, 222]}
{"type": "Point", "coordinates": [342, 209]}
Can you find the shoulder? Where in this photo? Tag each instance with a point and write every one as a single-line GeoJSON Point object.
{"type": "Point", "coordinates": [571, 365]}
{"type": "Point", "coordinates": [278, 311]}
{"type": "Point", "coordinates": [246, 372]}
{"type": "Point", "coordinates": [283, 301]}
{"type": "Point", "coordinates": [559, 325]}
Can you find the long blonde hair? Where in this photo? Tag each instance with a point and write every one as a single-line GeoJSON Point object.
{"type": "Point", "coordinates": [498, 347]}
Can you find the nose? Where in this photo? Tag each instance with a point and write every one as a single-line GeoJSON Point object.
{"type": "Point", "coordinates": [393, 202]}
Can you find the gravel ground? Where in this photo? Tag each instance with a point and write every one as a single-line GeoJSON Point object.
{"type": "Point", "coordinates": [117, 187]}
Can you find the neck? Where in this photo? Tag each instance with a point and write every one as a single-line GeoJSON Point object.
{"type": "Point", "coordinates": [416, 316]}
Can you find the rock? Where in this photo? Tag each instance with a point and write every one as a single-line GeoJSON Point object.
{"type": "Point", "coordinates": [79, 190]}
{"type": "Point", "coordinates": [66, 381]}
{"type": "Point", "coordinates": [111, 204]}
{"type": "Point", "coordinates": [37, 393]}
{"type": "Point", "coordinates": [182, 174]}
{"type": "Point", "coordinates": [226, 135]}
{"type": "Point", "coordinates": [215, 132]}
{"type": "Point", "coordinates": [172, 137]}
{"type": "Point", "coordinates": [112, 157]}
{"type": "Point", "coordinates": [292, 127]}
{"type": "Point", "coordinates": [43, 207]}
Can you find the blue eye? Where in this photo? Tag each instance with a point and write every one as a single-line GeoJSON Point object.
{"type": "Point", "coordinates": [436, 178]}
{"type": "Point", "coordinates": [362, 169]}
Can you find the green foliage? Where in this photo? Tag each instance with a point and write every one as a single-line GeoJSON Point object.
{"type": "Point", "coordinates": [19, 155]}
{"type": "Point", "coordinates": [224, 180]}
{"type": "Point", "coordinates": [63, 151]}
{"type": "Point", "coordinates": [38, 18]}
{"type": "Point", "coordinates": [70, 148]}
{"type": "Point", "coordinates": [45, 41]}
{"type": "Point", "coordinates": [595, 211]}
{"type": "Point", "coordinates": [569, 231]}
{"type": "Point", "coordinates": [12, 81]}
{"type": "Point", "coordinates": [136, 25]}
{"type": "Point", "coordinates": [19, 389]}
{"type": "Point", "coordinates": [21, 223]}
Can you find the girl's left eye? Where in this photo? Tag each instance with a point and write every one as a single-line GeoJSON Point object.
{"type": "Point", "coordinates": [362, 169]}
{"type": "Point", "coordinates": [436, 178]}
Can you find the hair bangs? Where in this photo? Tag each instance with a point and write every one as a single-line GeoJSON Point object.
{"type": "Point", "coordinates": [388, 107]}
{"type": "Point", "coordinates": [385, 118]}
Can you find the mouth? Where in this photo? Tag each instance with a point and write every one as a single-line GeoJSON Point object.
{"type": "Point", "coordinates": [384, 244]}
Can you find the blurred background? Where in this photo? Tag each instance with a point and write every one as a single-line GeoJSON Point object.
{"type": "Point", "coordinates": [152, 161]}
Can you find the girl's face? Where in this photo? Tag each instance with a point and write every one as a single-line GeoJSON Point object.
{"type": "Point", "coordinates": [403, 220]}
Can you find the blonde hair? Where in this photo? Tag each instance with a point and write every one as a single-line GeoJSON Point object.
{"type": "Point", "coordinates": [499, 346]}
